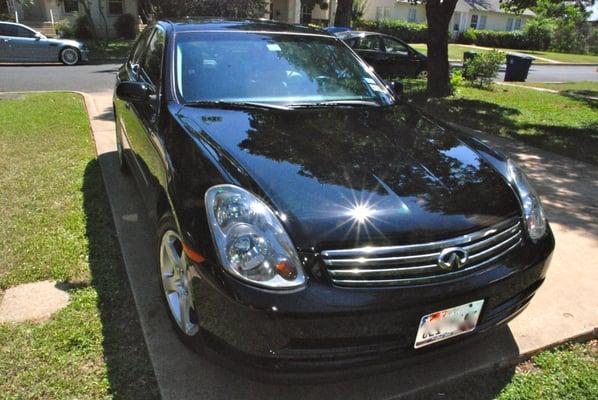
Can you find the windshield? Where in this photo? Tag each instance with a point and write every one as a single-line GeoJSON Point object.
{"type": "Point", "coordinates": [272, 68]}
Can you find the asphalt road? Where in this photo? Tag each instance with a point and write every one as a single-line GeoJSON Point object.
{"type": "Point", "coordinates": [99, 78]}
{"type": "Point", "coordinates": [83, 78]}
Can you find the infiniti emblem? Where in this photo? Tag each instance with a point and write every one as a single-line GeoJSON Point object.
{"type": "Point", "coordinates": [452, 258]}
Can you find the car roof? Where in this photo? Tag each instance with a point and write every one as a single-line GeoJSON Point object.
{"type": "Point", "coordinates": [191, 24]}
{"type": "Point", "coordinates": [352, 34]}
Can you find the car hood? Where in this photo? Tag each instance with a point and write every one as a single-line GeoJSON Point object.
{"type": "Point", "coordinates": [66, 42]}
{"type": "Point", "coordinates": [346, 177]}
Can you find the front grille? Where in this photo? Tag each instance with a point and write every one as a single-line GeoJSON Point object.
{"type": "Point", "coordinates": [418, 263]}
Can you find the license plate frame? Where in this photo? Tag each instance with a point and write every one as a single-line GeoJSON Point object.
{"type": "Point", "coordinates": [445, 324]}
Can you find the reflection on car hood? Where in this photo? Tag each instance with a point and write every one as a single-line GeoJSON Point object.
{"type": "Point", "coordinates": [358, 176]}
{"type": "Point", "coordinates": [66, 42]}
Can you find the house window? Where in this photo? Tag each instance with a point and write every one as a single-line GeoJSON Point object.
{"type": "Point", "coordinates": [71, 5]}
{"type": "Point", "coordinates": [456, 20]}
{"type": "Point", "coordinates": [115, 7]}
{"type": "Point", "coordinates": [482, 22]}
{"type": "Point", "coordinates": [382, 13]}
{"type": "Point", "coordinates": [474, 21]}
{"type": "Point", "coordinates": [517, 24]}
{"type": "Point", "coordinates": [412, 17]}
{"type": "Point", "coordinates": [306, 14]}
{"type": "Point", "coordinates": [510, 24]}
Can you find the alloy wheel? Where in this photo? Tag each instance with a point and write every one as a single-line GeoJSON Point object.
{"type": "Point", "coordinates": [423, 74]}
{"type": "Point", "coordinates": [175, 282]}
{"type": "Point", "coordinates": [69, 56]}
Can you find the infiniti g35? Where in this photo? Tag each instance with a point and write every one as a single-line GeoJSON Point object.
{"type": "Point", "coordinates": [307, 217]}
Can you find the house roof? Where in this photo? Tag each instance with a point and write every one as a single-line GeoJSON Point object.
{"type": "Point", "coordinates": [479, 5]}
{"type": "Point", "coordinates": [488, 5]}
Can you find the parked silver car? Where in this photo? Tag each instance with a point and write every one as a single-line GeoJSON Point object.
{"type": "Point", "coordinates": [19, 43]}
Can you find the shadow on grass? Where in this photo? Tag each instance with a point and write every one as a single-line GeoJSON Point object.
{"type": "Point", "coordinates": [587, 97]}
{"type": "Point", "coordinates": [130, 372]}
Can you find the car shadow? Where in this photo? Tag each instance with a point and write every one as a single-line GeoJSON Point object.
{"type": "Point", "coordinates": [129, 370]}
{"type": "Point", "coordinates": [181, 373]}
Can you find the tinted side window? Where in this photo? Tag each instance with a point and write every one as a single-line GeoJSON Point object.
{"type": "Point", "coordinates": [395, 47]}
{"type": "Point", "coordinates": [24, 33]}
{"type": "Point", "coordinates": [369, 43]}
{"type": "Point", "coordinates": [139, 49]}
{"type": "Point", "coordinates": [8, 30]}
{"type": "Point", "coordinates": [152, 60]}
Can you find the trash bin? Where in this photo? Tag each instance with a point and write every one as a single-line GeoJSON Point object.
{"type": "Point", "coordinates": [468, 55]}
{"type": "Point", "coordinates": [517, 67]}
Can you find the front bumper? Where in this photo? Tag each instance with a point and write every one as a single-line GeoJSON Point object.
{"type": "Point", "coordinates": [322, 327]}
{"type": "Point", "coordinates": [84, 54]}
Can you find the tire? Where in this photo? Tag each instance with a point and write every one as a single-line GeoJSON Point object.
{"type": "Point", "coordinates": [190, 336]}
{"type": "Point", "coordinates": [122, 160]}
{"type": "Point", "coordinates": [70, 56]}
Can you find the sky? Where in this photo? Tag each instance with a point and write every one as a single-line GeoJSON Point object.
{"type": "Point", "coordinates": [594, 15]}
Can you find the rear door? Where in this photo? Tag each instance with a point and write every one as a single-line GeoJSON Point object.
{"type": "Point", "coordinates": [399, 60]}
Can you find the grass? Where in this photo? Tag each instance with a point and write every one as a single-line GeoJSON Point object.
{"type": "Point", "coordinates": [584, 88]}
{"type": "Point", "coordinates": [561, 123]}
{"type": "Point", "coordinates": [56, 223]}
{"type": "Point", "coordinates": [116, 48]}
{"type": "Point", "coordinates": [456, 54]}
{"type": "Point", "coordinates": [567, 372]}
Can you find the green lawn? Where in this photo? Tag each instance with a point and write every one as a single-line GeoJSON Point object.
{"type": "Point", "coordinates": [456, 54]}
{"type": "Point", "coordinates": [56, 224]}
{"type": "Point", "coordinates": [584, 88]}
{"type": "Point", "coordinates": [568, 372]}
{"type": "Point", "coordinates": [557, 122]}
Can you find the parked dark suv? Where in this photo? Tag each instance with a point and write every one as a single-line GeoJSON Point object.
{"type": "Point", "coordinates": [307, 217]}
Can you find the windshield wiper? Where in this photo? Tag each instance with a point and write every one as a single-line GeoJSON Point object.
{"type": "Point", "coordinates": [236, 104]}
{"type": "Point", "coordinates": [336, 103]}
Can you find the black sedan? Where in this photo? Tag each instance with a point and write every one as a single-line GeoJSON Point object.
{"type": "Point", "coordinates": [388, 55]}
{"type": "Point", "coordinates": [307, 217]}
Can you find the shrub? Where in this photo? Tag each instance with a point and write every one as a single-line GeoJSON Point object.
{"type": "Point", "coordinates": [456, 80]}
{"type": "Point", "coordinates": [481, 37]}
{"type": "Point", "coordinates": [82, 27]}
{"type": "Point", "coordinates": [483, 68]}
{"type": "Point", "coordinates": [593, 43]}
{"type": "Point", "coordinates": [64, 29]}
{"type": "Point", "coordinates": [126, 26]}
{"type": "Point", "coordinates": [539, 32]}
{"type": "Point", "coordinates": [406, 31]}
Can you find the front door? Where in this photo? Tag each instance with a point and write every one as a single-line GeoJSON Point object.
{"type": "Point", "coordinates": [398, 60]}
{"type": "Point", "coordinates": [370, 49]}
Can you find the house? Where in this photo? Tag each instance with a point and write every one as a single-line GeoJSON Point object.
{"type": "Point", "coordinates": [292, 11]}
{"type": "Point", "coordinates": [42, 14]}
{"type": "Point", "coordinates": [477, 14]}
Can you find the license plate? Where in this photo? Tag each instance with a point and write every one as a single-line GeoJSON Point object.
{"type": "Point", "coordinates": [448, 323]}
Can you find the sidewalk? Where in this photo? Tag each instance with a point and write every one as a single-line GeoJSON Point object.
{"type": "Point", "coordinates": [564, 308]}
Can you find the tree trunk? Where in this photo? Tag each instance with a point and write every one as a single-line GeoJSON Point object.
{"type": "Point", "coordinates": [439, 16]}
{"type": "Point", "coordinates": [343, 13]}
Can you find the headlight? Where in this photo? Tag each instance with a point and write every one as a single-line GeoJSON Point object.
{"type": "Point", "coordinates": [535, 220]}
{"type": "Point", "coordinates": [250, 241]}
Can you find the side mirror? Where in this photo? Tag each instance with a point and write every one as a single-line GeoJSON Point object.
{"type": "Point", "coordinates": [38, 36]}
{"type": "Point", "coordinates": [132, 91]}
{"type": "Point", "coordinates": [396, 87]}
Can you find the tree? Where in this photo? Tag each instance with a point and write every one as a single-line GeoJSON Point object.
{"type": "Point", "coordinates": [344, 13]}
{"type": "Point", "coordinates": [208, 8]}
{"type": "Point", "coordinates": [438, 14]}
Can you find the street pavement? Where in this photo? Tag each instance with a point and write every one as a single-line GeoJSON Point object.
{"type": "Point", "coordinates": [98, 78]}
